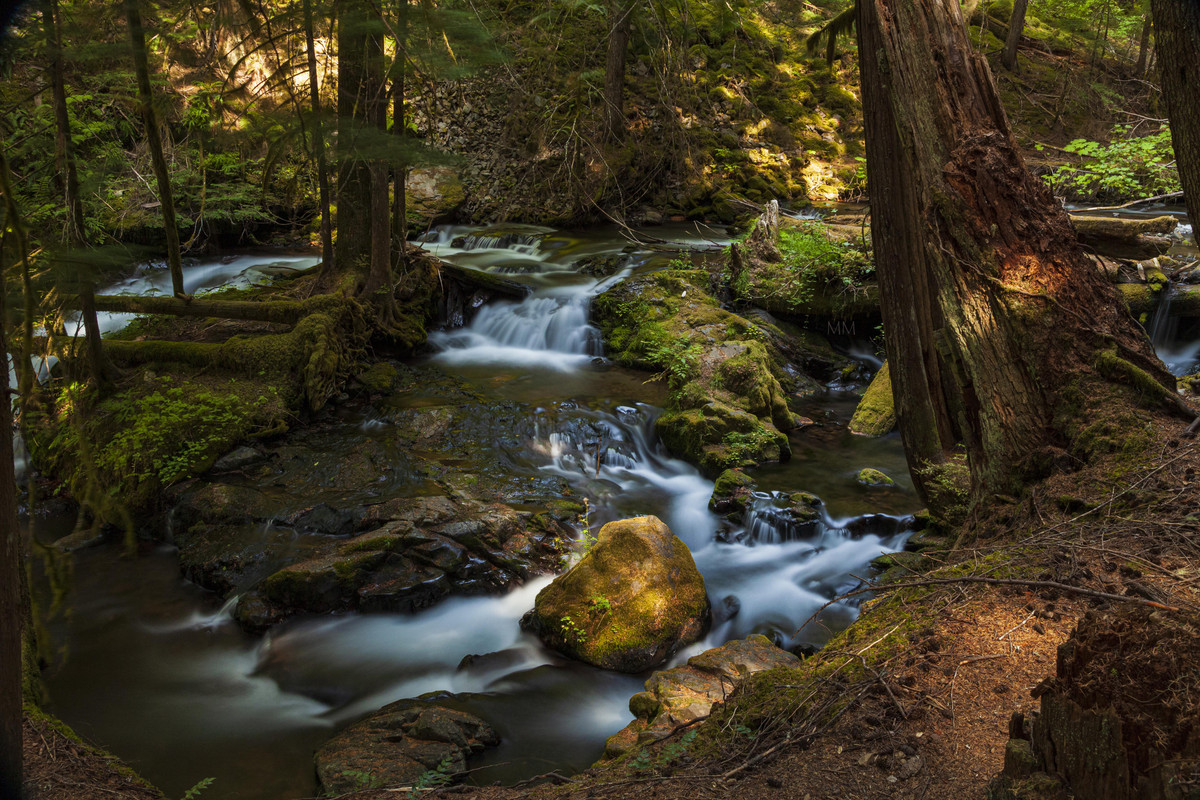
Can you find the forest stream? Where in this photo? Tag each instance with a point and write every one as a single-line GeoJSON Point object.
{"type": "Point", "coordinates": [153, 668]}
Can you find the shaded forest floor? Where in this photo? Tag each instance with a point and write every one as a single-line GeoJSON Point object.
{"type": "Point", "coordinates": [59, 766]}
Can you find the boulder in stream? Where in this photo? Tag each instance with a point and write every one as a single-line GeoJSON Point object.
{"type": "Point", "coordinates": [400, 744]}
{"type": "Point", "coordinates": [682, 695]}
{"type": "Point", "coordinates": [629, 604]}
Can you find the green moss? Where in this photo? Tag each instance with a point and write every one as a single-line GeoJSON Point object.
{"type": "Point", "coordinates": [379, 377]}
{"type": "Point", "coordinates": [876, 412]}
{"type": "Point", "coordinates": [873, 477]}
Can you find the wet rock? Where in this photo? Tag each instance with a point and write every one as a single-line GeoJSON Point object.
{"type": "Point", "coordinates": [731, 492]}
{"type": "Point", "coordinates": [237, 458]}
{"type": "Point", "coordinates": [400, 743]}
{"type": "Point", "coordinates": [873, 477]}
{"type": "Point", "coordinates": [80, 540]}
{"type": "Point", "coordinates": [678, 696]}
{"type": "Point", "coordinates": [629, 604]}
{"type": "Point", "coordinates": [730, 404]}
{"type": "Point", "coordinates": [344, 516]}
{"type": "Point", "coordinates": [876, 412]}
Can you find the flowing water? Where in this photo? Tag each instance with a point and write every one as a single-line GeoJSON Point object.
{"type": "Point", "coordinates": [155, 669]}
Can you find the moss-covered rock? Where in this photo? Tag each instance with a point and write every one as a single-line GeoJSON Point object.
{"type": "Point", "coordinates": [433, 194]}
{"type": "Point", "coordinates": [731, 492]}
{"type": "Point", "coordinates": [630, 603]}
{"type": "Point", "coordinates": [400, 743]}
{"type": "Point", "coordinates": [869, 476]}
{"type": "Point", "coordinates": [876, 412]}
{"type": "Point", "coordinates": [678, 696]}
{"type": "Point", "coordinates": [728, 406]}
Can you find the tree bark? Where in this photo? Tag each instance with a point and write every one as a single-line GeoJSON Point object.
{"type": "Point", "coordinates": [1143, 48]}
{"type": "Point", "coordinates": [1177, 46]}
{"type": "Point", "coordinates": [1016, 26]}
{"type": "Point", "coordinates": [354, 175]}
{"type": "Point", "coordinates": [620, 19]}
{"type": "Point", "coordinates": [11, 616]}
{"type": "Point", "coordinates": [994, 318]}
{"type": "Point", "coordinates": [318, 132]}
{"type": "Point", "coordinates": [400, 169]}
{"type": "Point", "coordinates": [98, 366]}
{"type": "Point", "coordinates": [162, 177]}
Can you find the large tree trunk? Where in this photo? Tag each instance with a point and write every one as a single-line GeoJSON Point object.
{"type": "Point", "coordinates": [1016, 25]}
{"type": "Point", "coordinates": [161, 176]}
{"type": "Point", "coordinates": [318, 132]}
{"type": "Point", "coordinates": [620, 19]}
{"type": "Point", "coordinates": [1177, 45]}
{"type": "Point", "coordinates": [997, 326]}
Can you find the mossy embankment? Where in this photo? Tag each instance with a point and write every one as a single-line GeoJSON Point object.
{"type": "Point", "coordinates": [186, 389]}
{"type": "Point", "coordinates": [729, 389]}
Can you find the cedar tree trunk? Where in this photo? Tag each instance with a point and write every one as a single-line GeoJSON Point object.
{"type": "Point", "coordinates": [99, 368]}
{"type": "Point", "coordinates": [1177, 45]}
{"type": "Point", "coordinates": [354, 175]}
{"type": "Point", "coordinates": [999, 331]}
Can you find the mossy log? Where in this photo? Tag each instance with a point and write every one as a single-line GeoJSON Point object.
{"type": "Point", "coordinates": [876, 412]}
{"type": "Point", "coordinates": [485, 280]}
{"type": "Point", "coordinates": [314, 353]}
{"type": "Point", "coordinates": [286, 312]}
{"type": "Point", "coordinates": [1116, 228]}
{"type": "Point", "coordinates": [1141, 299]}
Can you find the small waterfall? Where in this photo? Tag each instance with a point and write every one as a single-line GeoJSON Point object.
{"type": "Point", "coordinates": [1180, 358]}
{"type": "Point", "coordinates": [1162, 326]}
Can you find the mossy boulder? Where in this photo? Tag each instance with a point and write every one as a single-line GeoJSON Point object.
{"type": "Point", "coordinates": [629, 604]}
{"type": "Point", "coordinates": [876, 412]}
{"type": "Point", "coordinates": [400, 743]}
{"type": "Point", "coordinates": [869, 476]}
{"type": "Point", "coordinates": [728, 406]}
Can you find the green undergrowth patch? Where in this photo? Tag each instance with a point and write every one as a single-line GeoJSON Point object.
{"type": "Point", "coordinates": [819, 273]}
{"type": "Point", "coordinates": [116, 453]}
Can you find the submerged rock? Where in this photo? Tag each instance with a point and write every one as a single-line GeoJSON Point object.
{"type": "Point", "coordinates": [399, 744]}
{"type": "Point", "coordinates": [629, 604]}
{"type": "Point", "coordinates": [678, 696]}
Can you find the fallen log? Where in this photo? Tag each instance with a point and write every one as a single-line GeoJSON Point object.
{"type": "Point", "coordinates": [1088, 227]}
{"type": "Point", "coordinates": [287, 312]}
{"type": "Point", "coordinates": [486, 281]}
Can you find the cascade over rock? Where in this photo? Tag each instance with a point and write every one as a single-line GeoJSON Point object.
{"type": "Point", "coordinates": [633, 601]}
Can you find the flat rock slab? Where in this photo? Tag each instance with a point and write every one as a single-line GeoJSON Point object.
{"type": "Point", "coordinates": [400, 744]}
{"type": "Point", "coordinates": [678, 696]}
